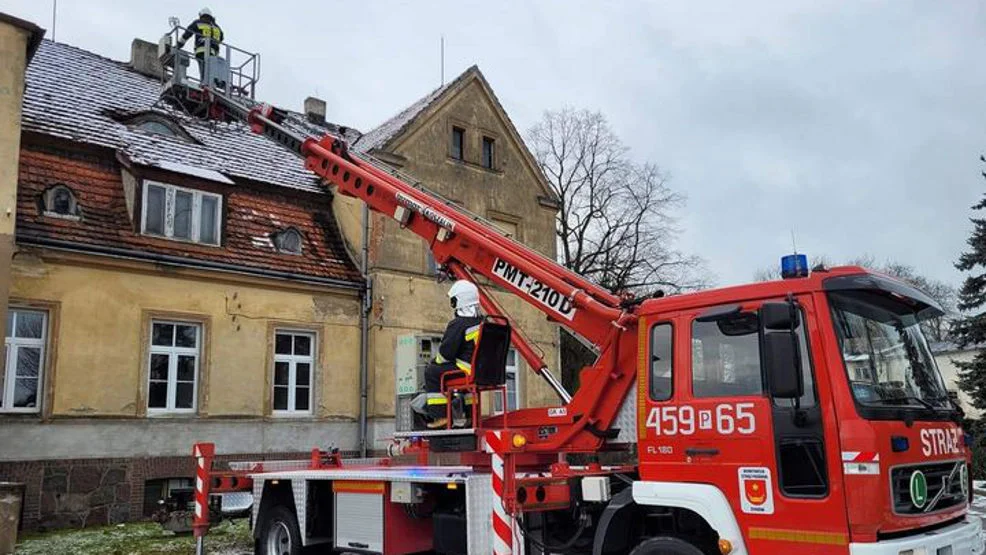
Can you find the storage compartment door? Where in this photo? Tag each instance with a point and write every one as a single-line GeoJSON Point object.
{"type": "Point", "coordinates": [359, 515]}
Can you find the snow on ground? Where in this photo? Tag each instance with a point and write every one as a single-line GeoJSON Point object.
{"type": "Point", "coordinates": [137, 538]}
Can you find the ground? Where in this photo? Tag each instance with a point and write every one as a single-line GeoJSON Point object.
{"type": "Point", "coordinates": [139, 538]}
{"type": "Point", "coordinates": [228, 538]}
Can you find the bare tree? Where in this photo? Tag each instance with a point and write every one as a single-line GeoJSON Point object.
{"type": "Point", "coordinates": [615, 224]}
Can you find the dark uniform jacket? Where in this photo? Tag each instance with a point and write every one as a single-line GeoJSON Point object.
{"type": "Point", "coordinates": [203, 28]}
{"type": "Point", "coordinates": [459, 342]}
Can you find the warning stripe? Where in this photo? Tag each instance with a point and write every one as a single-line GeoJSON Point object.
{"type": "Point", "coordinates": [860, 456]}
{"type": "Point", "coordinates": [502, 533]}
{"type": "Point", "coordinates": [357, 487]}
{"type": "Point", "coordinates": [798, 536]}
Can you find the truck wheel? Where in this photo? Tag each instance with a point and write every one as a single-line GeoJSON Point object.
{"type": "Point", "coordinates": [279, 534]}
{"type": "Point", "coordinates": [665, 546]}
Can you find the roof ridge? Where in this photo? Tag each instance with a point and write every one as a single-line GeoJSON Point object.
{"type": "Point", "coordinates": [395, 125]}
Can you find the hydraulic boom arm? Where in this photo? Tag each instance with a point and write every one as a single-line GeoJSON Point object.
{"type": "Point", "coordinates": [468, 246]}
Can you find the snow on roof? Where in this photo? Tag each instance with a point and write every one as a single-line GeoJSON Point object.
{"type": "Point", "coordinates": [81, 96]}
{"type": "Point", "coordinates": [396, 125]}
{"type": "Point", "coordinates": [203, 173]}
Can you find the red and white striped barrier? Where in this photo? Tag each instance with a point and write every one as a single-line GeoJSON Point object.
{"type": "Point", "coordinates": [203, 453]}
{"type": "Point", "coordinates": [502, 529]}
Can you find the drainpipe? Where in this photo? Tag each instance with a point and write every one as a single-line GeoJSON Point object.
{"type": "Point", "coordinates": [366, 305]}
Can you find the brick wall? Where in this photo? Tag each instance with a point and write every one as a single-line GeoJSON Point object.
{"type": "Point", "coordinates": [74, 493]}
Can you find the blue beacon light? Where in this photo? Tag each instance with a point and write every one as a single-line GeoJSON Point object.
{"type": "Point", "coordinates": [794, 266]}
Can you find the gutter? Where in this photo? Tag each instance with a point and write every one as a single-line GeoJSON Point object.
{"type": "Point", "coordinates": [364, 334]}
{"type": "Point", "coordinates": [126, 254]}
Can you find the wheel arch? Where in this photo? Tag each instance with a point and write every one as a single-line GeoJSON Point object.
{"type": "Point", "coordinates": [706, 501]}
{"type": "Point", "coordinates": [275, 493]}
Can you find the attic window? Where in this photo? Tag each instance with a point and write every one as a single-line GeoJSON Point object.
{"type": "Point", "coordinates": [157, 127]}
{"type": "Point", "coordinates": [59, 201]}
{"type": "Point", "coordinates": [157, 124]}
{"type": "Point", "coordinates": [287, 241]}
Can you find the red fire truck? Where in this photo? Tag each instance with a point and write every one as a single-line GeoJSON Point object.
{"type": "Point", "coordinates": [802, 415]}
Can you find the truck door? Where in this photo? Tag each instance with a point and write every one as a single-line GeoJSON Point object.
{"type": "Point", "coordinates": [716, 424]}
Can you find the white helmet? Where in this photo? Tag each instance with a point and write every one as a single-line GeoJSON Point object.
{"type": "Point", "coordinates": [463, 296]}
{"type": "Point", "coordinates": [204, 12]}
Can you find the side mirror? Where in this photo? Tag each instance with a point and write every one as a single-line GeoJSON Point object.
{"type": "Point", "coordinates": [782, 361]}
{"type": "Point", "coordinates": [779, 316]}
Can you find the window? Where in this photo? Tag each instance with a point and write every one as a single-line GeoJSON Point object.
{"type": "Point", "coordinates": [488, 153]}
{"type": "Point", "coordinates": [59, 201]}
{"type": "Point", "coordinates": [513, 392]}
{"type": "Point", "coordinates": [726, 356]}
{"type": "Point", "coordinates": [24, 352]}
{"type": "Point", "coordinates": [294, 359]}
{"type": "Point", "coordinates": [287, 241]}
{"type": "Point", "coordinates": [183, 214]}
{"type": "Point", "coordinates": [508, 228]}
{"type": "Point", "coordinates": [458, 143]}
{"type": "Point", "coordinates": [155, 123]}
{"type": "Point", "coordinates": [431, 266]}
{"type": "Point", "coordinates": [661, 356]}
{"type": "Point", "coordinates": [173, 366]}
{"type": "Point", "coordinates": [156, 127]}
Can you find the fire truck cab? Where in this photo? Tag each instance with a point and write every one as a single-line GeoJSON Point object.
{"type": "Point", "coordinates": [803, 414]}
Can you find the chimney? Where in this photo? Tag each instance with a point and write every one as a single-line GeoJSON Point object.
{"type": "Point", "coordinates": [144, 60]}
{"type": "Point", "coordinates": [315, 110]}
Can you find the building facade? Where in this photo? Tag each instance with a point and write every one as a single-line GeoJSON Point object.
{"type": "Point", "coordinates": [176, 280]}
{"type": "Point", "coordinates": [460, 143]}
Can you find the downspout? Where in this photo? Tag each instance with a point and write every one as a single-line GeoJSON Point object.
{"type": "Point", "coordinates": [366, 305]}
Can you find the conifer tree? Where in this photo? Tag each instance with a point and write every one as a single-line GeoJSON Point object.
{"type": "Point", "coordinates": [971, 330]}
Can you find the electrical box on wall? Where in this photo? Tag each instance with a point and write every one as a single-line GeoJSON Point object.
{"type": "Point", "coordinates": [411, 357]}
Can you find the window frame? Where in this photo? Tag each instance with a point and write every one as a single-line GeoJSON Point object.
{"type": "Point", "coordinates": [460, 133]}
{"type": "Point", "coordinates": [650, 362]}
{"type": "Point", "coordinates": [170, 192]}
{"type": "Point", "coordinates": [292, 360]}
{"type": "Point", "coordinates": [498, 396]}
{"type": "Point", "coordinates": [695, 319]}
{"type": "Point", "coordinates": [491, 142]}
{"type": "Point", "coordinates": [11, 346]}
{"type": "Point", "coordinates": [278, 236]}
{"type": "Point", "coordinates": [173, 353]}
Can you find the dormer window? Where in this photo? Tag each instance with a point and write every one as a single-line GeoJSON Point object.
{"type": "Point", "coordinates": [157, 124]}
{"type": "Point", "coordinates": [181, 214]}
{"type": "Point", "coordinates": [287, 241]}
{"type": "Point", "coordinates": [59, 201]}
{"type": "Point", "coordinates": [152, 126]}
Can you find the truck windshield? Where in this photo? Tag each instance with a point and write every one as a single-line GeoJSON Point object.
{"type": "Point", "coordinates": [887, 357]}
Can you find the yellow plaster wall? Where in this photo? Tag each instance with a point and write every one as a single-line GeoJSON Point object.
{"type": "Point", "coordinates": [100, 366]}
{"type": "Point", "coordinates": [13, 58]}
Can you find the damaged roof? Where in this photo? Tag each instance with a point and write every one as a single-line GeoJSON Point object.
{"type": "Point", "coordinates": [81, 96]}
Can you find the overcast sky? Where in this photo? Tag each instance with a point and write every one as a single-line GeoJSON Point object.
{"type": "Point", "coordinates": [857, 124]}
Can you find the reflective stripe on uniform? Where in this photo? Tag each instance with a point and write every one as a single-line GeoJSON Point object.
{"type": "Point", "coordinates": [472, 333]}
{"type": "Point", "coordinates": [442, 400]}
{"type": "Point", "coordinates": [440, 359]}
{"type": "Point", "coordinates": [205, 31]}
{"type": "Point", "coordinates": [464, 366]}
{"type": "Point", "coordinates": [436, 399]}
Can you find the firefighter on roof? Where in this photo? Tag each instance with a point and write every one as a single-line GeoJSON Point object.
{"type": "Point", "coordinates": [455, 352]}
{"type": "Point", "coordinates": [208, 36]}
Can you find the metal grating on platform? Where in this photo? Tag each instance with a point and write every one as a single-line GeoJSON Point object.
{"type": "Point", "coordinates": [435, 433]}
{"type": "Point", "coordinates": [297, 464]}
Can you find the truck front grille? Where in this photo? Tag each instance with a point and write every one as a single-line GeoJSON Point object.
{"type": "Point", "coordinates": [936, 476]}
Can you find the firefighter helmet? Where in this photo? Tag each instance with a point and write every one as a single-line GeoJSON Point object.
{"type": "Point", "coordinates": [463, 294]}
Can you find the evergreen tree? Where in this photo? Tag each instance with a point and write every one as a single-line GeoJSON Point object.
{"type": "Point", "coordinates": [971, 330]}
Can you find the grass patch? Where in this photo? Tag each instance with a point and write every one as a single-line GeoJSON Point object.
{"type": "Point", "coordinates": [137, 538]}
